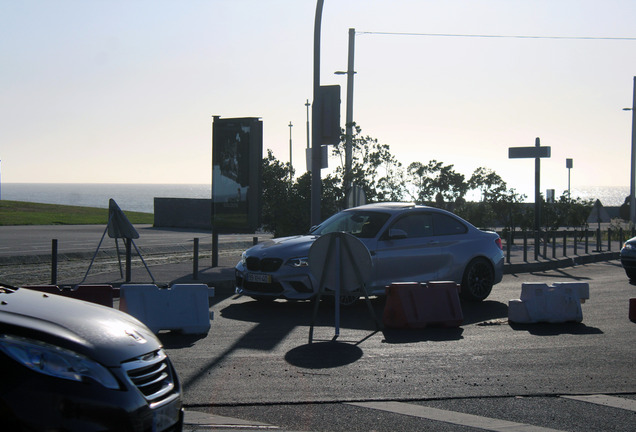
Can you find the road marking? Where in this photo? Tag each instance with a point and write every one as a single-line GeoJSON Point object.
{"type": "Point", "coordinates": [452, 417]}
{"type": "Point", "coordinates": [610, 401]}
{"type": "Point", "coordinates": [197, 418]}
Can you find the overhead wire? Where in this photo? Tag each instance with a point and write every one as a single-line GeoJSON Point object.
{"type": "Point", "coordinates": [496, 36]}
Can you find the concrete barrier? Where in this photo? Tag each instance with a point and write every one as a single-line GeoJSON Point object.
{"type": "Point", "coordinates": [98, 294]}
{"type": "Point", "coordinates": [415, 305]}
{"type": "Point", "coordinates": [557, 303]}
{"type": "Point", "coordinates": [182, 307]}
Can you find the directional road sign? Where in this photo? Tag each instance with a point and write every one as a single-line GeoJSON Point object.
{"type": "Point", "coordinates": [528, 152]}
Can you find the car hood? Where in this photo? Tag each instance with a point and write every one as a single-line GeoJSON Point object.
{"type": "Point", "coordinates": [283, 247]}
{"type": "Point", "coordinates": [101, 333]}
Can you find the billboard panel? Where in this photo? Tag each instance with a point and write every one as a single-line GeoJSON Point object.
{"type": "Point", "coordinates": [237, 149]}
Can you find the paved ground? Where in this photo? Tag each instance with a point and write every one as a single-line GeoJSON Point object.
{"type": "Point", "coordinates": [255, 370]}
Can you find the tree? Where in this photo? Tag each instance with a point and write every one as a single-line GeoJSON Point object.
{"type": "Point", "coordinates": [373, 168]}
{"type": "Point", "coordinates": [438, 182]}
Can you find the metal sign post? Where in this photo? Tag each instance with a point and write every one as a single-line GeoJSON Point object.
{"type": "Point", "coordinates": [537, 152]}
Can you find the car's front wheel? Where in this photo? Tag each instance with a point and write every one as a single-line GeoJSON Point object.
{"type": "Point", "coordinates": [478, 280]}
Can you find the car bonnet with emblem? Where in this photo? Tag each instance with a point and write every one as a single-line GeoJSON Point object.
{"type": "Point", "coordinates": [106, 335]}
{"type": "Point", "coordinates": [284, 247]}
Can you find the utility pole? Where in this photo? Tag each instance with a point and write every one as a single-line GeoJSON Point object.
{"type": "Point", "coordinates": [291, 168]}
{"type": "Point", "coordinates": [632, 179]}
{"type": "Point", "coordinates": [316, 138]}
{"type": "Point", "coordinates": [349, 121]}
{"type": "Point", "coordinates": [307, 105]}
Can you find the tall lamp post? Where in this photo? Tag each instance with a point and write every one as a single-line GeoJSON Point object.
{"type": "Point", "coordinates": [632, 178]}
{"type": "Point", "coordinates": [291, 168]}
{"type": "Point", "coordinates": [316, 123]}
{"type": "Point", "coordinates": [349, 121]}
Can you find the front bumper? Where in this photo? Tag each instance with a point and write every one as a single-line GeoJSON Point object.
{"type": "Point", "coordinates": [83, 406]}
{"type": "Point", "coordinates": [299, 286]}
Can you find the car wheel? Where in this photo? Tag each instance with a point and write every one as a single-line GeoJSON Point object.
{"type": "Point", "coordinates": [631, 274]}
{"type": "Point", "coordinates": [478, 280]}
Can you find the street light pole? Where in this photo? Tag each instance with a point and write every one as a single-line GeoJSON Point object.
{"type": "Point", "coordinates": [632, 179]}
{"type": "Point", "coordinates": [316, 124]}
{"type": "Point", "coordinates": [349, 120]}
{"type": "Point", "coordinates": [307, 105]}
{"type": "Point", "coordinates": [291, 169]}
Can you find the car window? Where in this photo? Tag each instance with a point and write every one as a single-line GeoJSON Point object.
{"type": "Point", "coordinates": [447, 225]}
{"type": "Point", "coordinates": [363, 224]}
{"type": "Point", "coordinates": [415, 225]}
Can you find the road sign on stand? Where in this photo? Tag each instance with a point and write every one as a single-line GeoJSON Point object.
{"type": "Point", "coordinates": [537, 152]}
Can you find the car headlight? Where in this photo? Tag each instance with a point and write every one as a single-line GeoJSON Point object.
{"type": "Point", "coordinates": [628, 246]}
{"type": "Point", "coordinates": [243, 258]}
{"type": "Point", "coordinates": [55, 361]}
{"type": "Point", "coordinates": [298, 262]}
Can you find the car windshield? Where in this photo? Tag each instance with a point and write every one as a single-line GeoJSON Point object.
{"type": "Point", "coordinates": [363, 224]}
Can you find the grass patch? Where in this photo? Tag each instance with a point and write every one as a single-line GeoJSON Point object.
{"type": "Point", "coordinates": [26, 213]}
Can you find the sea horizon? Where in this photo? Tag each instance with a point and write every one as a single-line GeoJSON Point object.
{"type": "Point", "coordinates": [140, 196]}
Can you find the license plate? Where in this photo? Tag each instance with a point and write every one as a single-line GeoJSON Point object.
{"type": "Point", "coordinates": [165, 416]}
{"type": "Point", "coordinates": [259, 278]}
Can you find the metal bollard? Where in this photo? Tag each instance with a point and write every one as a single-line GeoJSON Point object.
{"type": "Point", "coordinates": [195, 259]}
{"type": "Point", "coordinates": [54, 262]}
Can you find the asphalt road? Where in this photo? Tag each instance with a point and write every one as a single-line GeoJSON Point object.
{"type": "Point", "coordinates": [256, 365]}
{"type": "Point", "coordinates": [37, 240]}
{"type": "Point", "coordinates": [256, 370]}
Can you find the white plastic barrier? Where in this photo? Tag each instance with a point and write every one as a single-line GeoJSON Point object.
{"type": "Point", "coordinates": [181, 307]}
{"type": "Point", "coordinates": [557, 303]}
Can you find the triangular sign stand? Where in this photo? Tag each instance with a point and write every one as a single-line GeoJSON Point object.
{"type": "Point", "coordinates": [119, 227]}
{"type": "Point", "coordinates": [339, 261]}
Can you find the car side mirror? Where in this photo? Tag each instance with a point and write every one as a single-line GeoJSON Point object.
{"type": "Point", "coordinates": [396, 234]}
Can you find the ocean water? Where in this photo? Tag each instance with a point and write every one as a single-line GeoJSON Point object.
{"type": "Point", "coordinates": [140, 197]}
{"type": "Point", "coordinates": [131, 197]}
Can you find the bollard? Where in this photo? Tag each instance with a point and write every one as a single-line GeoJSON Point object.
{"type": "Point", "coordinates": [554, 236]}
{"type": "Point", "coordinates": [508, 246]}
{"type": "Point", "coordinates": [576, 249]}
{"type": "Point", "coordinates": [195, 259]}
{"type": "Point", "coordinates": [609, 239]}
{"type": "Point", "coordinates": [254, 241]}
{"type": "Point", "coordinates": [54, 262]}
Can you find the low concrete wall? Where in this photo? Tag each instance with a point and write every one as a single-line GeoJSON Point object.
{"type": "Point", "coordinates": [183, 213]}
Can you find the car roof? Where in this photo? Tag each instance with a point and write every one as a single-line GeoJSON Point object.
{"type": "Point", "coordinates": [391, 206]}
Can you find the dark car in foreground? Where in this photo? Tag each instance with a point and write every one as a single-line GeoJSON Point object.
{"type": "Point", "coordinates": [628, 258]}
{"type": "Point", "coordinates": [407, 242]}
{"type": "Point", "coordinates": [70, 365]}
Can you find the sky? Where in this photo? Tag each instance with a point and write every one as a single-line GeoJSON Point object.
{"type": "Point", "coordinates": [123, 91]}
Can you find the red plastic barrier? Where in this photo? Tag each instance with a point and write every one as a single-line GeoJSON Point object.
{"type": "Point", "coordinates": [99, 294]}
{"type": "Point", "coordinates": [414, 305]}
{"type": "Point", "coordinates": [632, 309]}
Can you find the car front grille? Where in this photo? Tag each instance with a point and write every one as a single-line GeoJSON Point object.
{"type": "Point", "coordinates": [152, 375]}
{"type": "Point", "coordinates": [264, 265]}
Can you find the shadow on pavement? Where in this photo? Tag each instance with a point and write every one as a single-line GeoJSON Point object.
{"type": "Point", "coordinates": [323, 355]}
{"type": "Point", "coordinates": [555, 329]}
